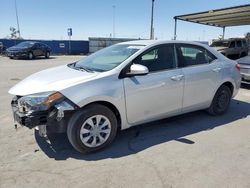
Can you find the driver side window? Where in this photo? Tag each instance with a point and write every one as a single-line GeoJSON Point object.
{"type": "Point", "coordinates": [159, 58]}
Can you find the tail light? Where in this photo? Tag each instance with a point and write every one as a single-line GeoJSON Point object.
{"type": "Point", "coordinates": [237, 66]}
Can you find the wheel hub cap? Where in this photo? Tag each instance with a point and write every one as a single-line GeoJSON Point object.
{"type": "Point", "coordinates": [223, 101]}
{"type": "Point", "coordinates": [95, 131]}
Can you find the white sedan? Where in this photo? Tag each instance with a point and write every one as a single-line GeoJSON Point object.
{"type": "Point", "coordinates": [122, 86]}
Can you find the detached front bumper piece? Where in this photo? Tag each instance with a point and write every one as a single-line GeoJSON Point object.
{"type": "Point", "coordinates": [55, 119]}
{"type": "Point", "coordinates": [30, 120]}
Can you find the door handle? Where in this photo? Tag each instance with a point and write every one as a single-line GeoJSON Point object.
{"type": "Point", "coordinates": [217, 69]}
{"type": "Point", "coordinates": [177, 77]}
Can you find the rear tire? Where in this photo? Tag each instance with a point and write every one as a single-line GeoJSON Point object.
{"type": "Point", "coordinates": [221, 101]}
{"type": "Point", "coordinates": [92, 128]}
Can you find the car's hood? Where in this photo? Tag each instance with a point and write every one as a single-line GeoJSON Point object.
{"type": "Point", "coordinates": [218, 48]}
{"type": "Point", "coordinates": [53, 79]}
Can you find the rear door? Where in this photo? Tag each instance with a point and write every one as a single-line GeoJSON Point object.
{"type": "Point", "coordinates": [43, 49]}
{"type": "Point", "coordinates": [202, 72]}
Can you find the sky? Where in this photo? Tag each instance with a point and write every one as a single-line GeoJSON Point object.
{"type": "Point", "coordinates": [49, 19]}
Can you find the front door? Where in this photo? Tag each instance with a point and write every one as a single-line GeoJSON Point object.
{"type": "Point", "coordinates": [158, 93]}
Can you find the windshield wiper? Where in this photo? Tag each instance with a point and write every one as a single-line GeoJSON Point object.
{"type": "Point", "coordinates": [84, 69]}
{"type": "Point", "coordinates": [81, 68]}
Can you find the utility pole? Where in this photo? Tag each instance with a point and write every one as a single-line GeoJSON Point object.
{"type": "Point", "coordinates": [113, 20]}
{"type": "Point", "coordinates": [152, 22]}
{"type": "Point", "coordinates": [19, 32]}
{"type": "Point", "coordinates": [69, 34]}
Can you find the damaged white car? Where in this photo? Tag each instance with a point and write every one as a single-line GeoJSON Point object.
{"type": "Point", "coordinates": [125, 85]}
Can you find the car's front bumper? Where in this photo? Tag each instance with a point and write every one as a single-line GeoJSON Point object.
{"type": "Point", "coordinates": [245, 74]}
{"type": "Point", "coordinates": [17, 54]}
{"type": "Point", "coordinates": [245, 78]}
{"type": "Point", "coordinates": [50, 118]}
{"type": "Point", "coordinates": [30, 120]}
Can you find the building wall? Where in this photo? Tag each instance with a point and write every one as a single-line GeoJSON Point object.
{"type": "Point", "coordinates": [98, 43]}
{"type": "Point", "coordinates": [57, 46]}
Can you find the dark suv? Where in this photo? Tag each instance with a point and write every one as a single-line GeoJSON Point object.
{"type": "Point", "coordinates": [28, 49]}
{"type": "Point", "coordinates": [233, 48]}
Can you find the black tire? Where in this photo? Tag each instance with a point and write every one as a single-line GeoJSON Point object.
{"type": "Point", "coordinates": [221, 101]}
{"type": "Point", "coordinates": [30, 56]}
{"type": "Point", "coordinates": [77, 121]}
{"type": "Point", "coordinates": [47, 54]}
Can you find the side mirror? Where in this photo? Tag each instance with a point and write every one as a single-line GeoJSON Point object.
{"type": "Point", "coordinates": [137, 70]}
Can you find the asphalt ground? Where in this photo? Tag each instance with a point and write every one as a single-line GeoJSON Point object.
{"type": "Point", "coordinates": [191, 150]}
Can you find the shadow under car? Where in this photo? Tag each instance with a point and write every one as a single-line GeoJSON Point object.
{"type": "Point", "coordinates": [143, 136]}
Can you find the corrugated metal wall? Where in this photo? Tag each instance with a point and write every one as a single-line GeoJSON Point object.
{"type": "Point", "coordinates": [57, 46]}
{"type": "Point", "coordinates": [98, 43]}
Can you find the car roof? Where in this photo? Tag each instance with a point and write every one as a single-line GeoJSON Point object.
{"type": "Point", "coordinates": [156, 42]}
{"type": "Point", "coordinates": [34, 42]}
{"type": "Point", "coordinates": [31, 42]}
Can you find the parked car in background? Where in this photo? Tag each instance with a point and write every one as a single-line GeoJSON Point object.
{"type": "Point", "coordinates": [122, 86]}
{"type": "Point", "coordinates": [233, 48]}
{"type": "Point", "coordinates": [28, 49]}
{"type": "Point", "coordinates": [2, 48]}
{"type": "Point", "coordinates": [245, 69]}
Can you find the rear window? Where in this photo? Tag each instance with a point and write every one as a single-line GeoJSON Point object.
{"type": "Point", "coordinates": [191, 55]}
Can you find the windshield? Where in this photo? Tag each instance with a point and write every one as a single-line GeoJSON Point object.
{"type": "Point", "coordinates": [107, 58]}
{"type": "Point", "coordinates": [220, 44]}
{"type": "Point", "coordinates": [25, 44]}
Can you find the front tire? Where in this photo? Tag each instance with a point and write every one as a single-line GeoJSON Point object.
{"type": "Point", "coordinates": [47, 54]}
{"type": "Point", "coordinates": [30, 55]}
{"type": "Point", "coordinates": [221, 101]}
{"type": "Point", "coordinates": [92, 128]}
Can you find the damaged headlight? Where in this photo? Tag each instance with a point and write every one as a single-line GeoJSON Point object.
{"type": "Point", "coordinates": [39, 101]}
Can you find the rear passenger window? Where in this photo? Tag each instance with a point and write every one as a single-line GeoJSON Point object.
{"type": "Point", "coordinates": [194, 55]}
{"type": "Point", "coordinates": [210, 57]}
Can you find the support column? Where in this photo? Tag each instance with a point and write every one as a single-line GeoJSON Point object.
{"type": "Point", "coordinates": [175, 27]}
{"type": "Point", "coordinates": [152, 22]}
{"type": "Point", "coordinates": [223, 35]}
